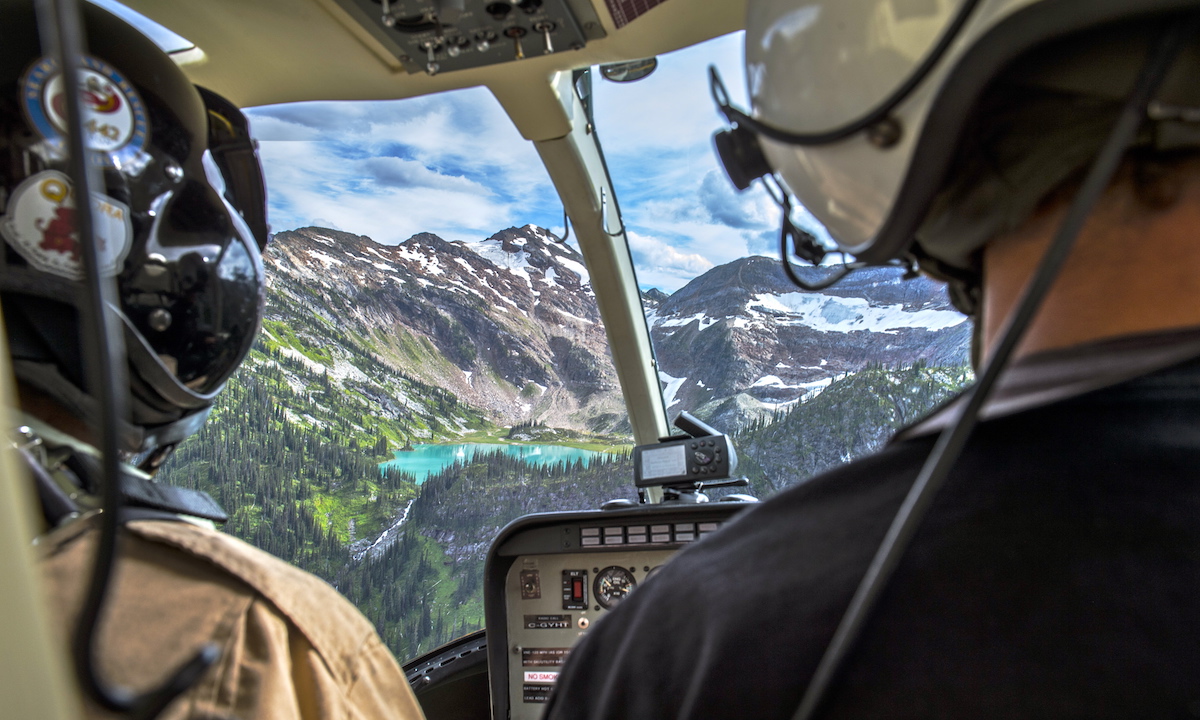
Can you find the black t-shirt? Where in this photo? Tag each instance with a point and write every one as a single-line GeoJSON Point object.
{"type": "Point", "coordinates": [1057, 574]}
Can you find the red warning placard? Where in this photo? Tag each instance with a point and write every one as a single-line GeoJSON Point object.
{"type": "Point", "coordinates": [626, 11]}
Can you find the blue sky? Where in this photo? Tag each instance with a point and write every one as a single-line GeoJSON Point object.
{"type": "Point", "coordinates": [453, 164]}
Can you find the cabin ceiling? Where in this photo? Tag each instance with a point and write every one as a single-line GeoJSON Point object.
{"type": "Point", "coordinates": [259, 52]}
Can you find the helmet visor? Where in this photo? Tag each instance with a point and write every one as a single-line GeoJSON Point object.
{"type": "Point", "coordinates": [235, 154]}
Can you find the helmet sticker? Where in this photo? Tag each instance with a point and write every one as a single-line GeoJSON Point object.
{"type": "Point", "coordinates": [40, 225]}
{"type": "Point", "coordinates": [114, 118]}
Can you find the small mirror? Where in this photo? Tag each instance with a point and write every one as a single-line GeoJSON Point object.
{"type": "Point", "coordinates": [627, 72]}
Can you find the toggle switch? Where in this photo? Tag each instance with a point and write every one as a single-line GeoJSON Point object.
{"type": "Point", "coordinates": [516, 33]}
{"type": "Point", "coordinates": [574, 589]}
{"type": "Point", "coordinates": [484, 40]}
{"type": "Point", "coordinates": [455, 46]}
{"type": "Point", "coordinates": [431, 64]}
{"type": "Point", "coordinates": [545, 27]}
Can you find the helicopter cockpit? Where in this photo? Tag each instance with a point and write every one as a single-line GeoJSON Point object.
{"type": "Point", "coordinates": [506, 371]}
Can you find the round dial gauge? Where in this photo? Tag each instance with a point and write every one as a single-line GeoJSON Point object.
{"type": "Point", "coordinates": [612, 585]}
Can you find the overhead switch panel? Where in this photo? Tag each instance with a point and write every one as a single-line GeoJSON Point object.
{"type": "Point", "coordinates": [438, 36]}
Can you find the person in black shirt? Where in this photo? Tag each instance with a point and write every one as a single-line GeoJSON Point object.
{"type": "Point", "coordinates": [1057, 572]}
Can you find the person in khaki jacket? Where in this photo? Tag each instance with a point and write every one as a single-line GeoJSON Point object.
{"type": "Point", "coordinates": [180, 220]}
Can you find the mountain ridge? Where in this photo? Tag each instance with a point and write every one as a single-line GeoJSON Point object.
{"type": "Point", "coordinates": [741, 342]}
{"type": "Point", "coordinates": [509, 324]}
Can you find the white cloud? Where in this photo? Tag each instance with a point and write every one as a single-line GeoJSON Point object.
{"type": "Point", "coordinates": [683, 214]}
{"type": "Point", "coordinates": [451, 164]}
{"type": "Point", "coordinates": [400, 173]}
{"type": "Point", "coordinates": [267, 128]}
{"type": "Point", "coordinates": [673, 108]}
{"type": "Point", "coordinates": [662, 266]}
{"type": "Point", "coordinates": [312, 185]}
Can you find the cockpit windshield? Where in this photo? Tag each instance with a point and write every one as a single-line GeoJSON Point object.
{"type": "Point", "coordinates": [433, 363]}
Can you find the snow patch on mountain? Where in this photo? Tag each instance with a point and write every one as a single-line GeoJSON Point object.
{"type": "Point", "coordinates": [495, 253]}
{"type": "Point", "coordinates": [428, 263]}
{"type": "Point", "coordinates": [824, 313]}
{"type": "Point", "coordinates": [576, 318]}
{"type": "Point", "coordinates": [672, 387]}
{"type": "Point", "coordinates": [810, 389]}
{"type": "Point", "coordinates": [830, 313]}
{"type": "Point", "coordinates": [325, 258]}
{"type": "Point", "coordinates": [542, 234]}
{"type": "Point", "coordinates": [575, 267]}
{"type": "Point", "coordinates": [340, 370]}
{"type": "Point", "coordinates": [704, 320]}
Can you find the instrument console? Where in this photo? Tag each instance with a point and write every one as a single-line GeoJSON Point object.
{"type": "Point", "coordinates": [550, 577]}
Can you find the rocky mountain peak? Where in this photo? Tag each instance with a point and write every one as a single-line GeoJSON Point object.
{"type": "Point", "coordinates": [741, 341]}
{"type": "Point", "coordinates": [509, 324]}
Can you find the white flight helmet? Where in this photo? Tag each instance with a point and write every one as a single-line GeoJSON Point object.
{"type": "Point", "coordinates": [858, 106]}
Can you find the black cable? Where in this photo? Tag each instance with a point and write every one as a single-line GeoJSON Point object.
{"type": "Point", "coordinates": [566, 229]}
{"type": "Point", "coordinates": [814, 254]}
{"type": "Point", "coordinates": [788, 230]}
{"type": "Point", "coordinates": [952, 441]}
{"type": "Point", "coordinates": [61, 23]}
{"type": "Point", "coordinates": [721, 95]}
{"type": "Point", "coordinates": [833, 278]}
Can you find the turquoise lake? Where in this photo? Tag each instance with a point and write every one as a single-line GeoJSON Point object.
{"type": "Point", "coordinates": [426, 460]}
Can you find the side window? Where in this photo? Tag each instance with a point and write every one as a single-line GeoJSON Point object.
{"type": "Point", "coordinates": [802, 381]}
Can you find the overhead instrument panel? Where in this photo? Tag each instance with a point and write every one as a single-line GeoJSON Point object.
{"type": "Point", "coordinates": [439, 36]}
{"type": "Point", "coordinates": [550, 577]}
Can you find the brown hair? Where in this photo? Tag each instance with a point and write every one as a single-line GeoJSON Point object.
{"type": "Point", "coordinates": [1155, 176]}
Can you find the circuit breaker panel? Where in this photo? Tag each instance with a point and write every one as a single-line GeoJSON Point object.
{"type": "Point", "coordinates": [438, 36]}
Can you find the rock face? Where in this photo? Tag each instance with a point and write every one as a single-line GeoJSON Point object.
{"type": "Point", "coordinates": [741, 341]}
{"type": "Point", "coordinates": [508, 324]}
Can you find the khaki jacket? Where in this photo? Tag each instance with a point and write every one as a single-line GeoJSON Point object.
{"type": "Point", "coordinates": [291, 646]}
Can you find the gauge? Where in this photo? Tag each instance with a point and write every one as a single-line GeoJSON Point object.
{"type": "Point", "coordinates": [612, 585]}
{"type": "Point", "coordinates": [653, 571]}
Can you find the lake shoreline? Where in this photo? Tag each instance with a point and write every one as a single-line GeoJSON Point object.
{"type": "Point", "coordinates": [425, 459]}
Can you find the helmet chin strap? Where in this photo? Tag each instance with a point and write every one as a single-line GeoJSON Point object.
{"type": "Point", "coordinates": [135, 439]}
{"type": "Point", "coordinates": [952, 441]}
